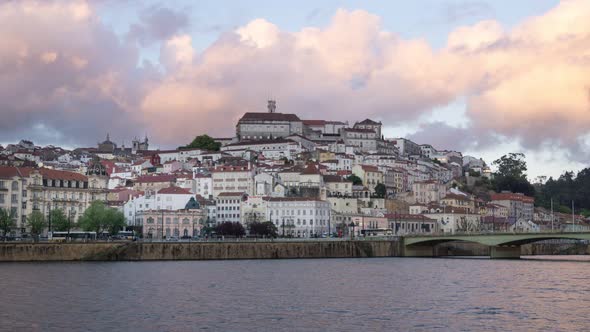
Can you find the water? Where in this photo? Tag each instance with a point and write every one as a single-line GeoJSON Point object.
{"type": "Point", "coordinates": [312, 295]}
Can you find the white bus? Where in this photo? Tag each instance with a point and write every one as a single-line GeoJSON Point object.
{"type": "Point", "coordinates": [71, 236]}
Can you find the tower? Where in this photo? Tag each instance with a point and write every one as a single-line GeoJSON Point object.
{"type": "Point", "coordinates": [272, 106]}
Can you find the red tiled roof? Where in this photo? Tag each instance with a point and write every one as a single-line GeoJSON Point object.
{"type": "Point", "coordinates": [512, 197]}
{"type": "Point", "coordinates": [370, 168]}
{"type": "Point", "coordinates": [174, 190]}
{"type": "Point", "coordinates": [61, 175]}
{"type": "Point", "coordinates": [311, 169]}
{"type": "Point", "coordinates": [314, 122]}
{"type": "Point", "coordinates": [156, 178]}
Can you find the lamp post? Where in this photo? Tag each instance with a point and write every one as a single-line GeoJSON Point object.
{"type": "Point", "coordinates": [353, 226]}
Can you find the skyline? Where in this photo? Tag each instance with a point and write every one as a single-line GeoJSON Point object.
{"type": "Point", "coordinates": [459, 76]}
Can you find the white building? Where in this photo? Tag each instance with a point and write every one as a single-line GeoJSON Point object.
{"type": "Point", "coordinates": [171, 198]}
{"type": "Point", "coordinates": [229, 206]}
{"type": "Point", "coordinates": [299, 217]}
{"type": "Point", "coordinates": [233, 179]}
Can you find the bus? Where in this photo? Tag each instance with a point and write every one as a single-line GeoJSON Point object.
{"type": "Point", "coordinates": [126, 235]}
{"type": "Point", "coordinates": [71, 236]}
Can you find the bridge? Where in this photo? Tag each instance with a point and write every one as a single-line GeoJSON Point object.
{"type": "Point", "coordinates": [502, 245]}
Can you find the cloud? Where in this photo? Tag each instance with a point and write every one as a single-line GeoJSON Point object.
{"type": "Point", "coordinates": [157, 24]}
{"type": "Point", "coordinates": [62, 68]}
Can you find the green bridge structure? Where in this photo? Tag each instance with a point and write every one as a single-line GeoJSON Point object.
{"type": "Point", "coordinates": [502, 245]}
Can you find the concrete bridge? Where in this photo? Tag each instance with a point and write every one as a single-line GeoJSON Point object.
{"type": "Point", "coordinates": [502, 245]}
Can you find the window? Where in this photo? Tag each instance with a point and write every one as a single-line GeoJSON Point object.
{"type": "Point", "coordinates": [168, 220]}
{"type": "Point", "coordinates": [14, 185]}
{"type": "Point", "coordinates": [14, 198]}
{"type": "Point", "coordinates": [150, 220]}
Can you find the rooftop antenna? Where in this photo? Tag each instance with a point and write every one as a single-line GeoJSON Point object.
{"type": "Point", "coordinates": [272, 106]}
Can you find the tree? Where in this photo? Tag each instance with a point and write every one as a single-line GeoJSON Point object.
{"type": "Point", "coordinates": [265, 229]}
{"type": "Point", "coordinates": [230, 229]}
{"type": "Point", "coordinates": [511, 174]}
{"type": "Point", "coordinates": [380, 190]}
{"type": "Point", "coordinates": [7, 221]}
{"type": "Point", "coordinates": [98, 218]}
{"type": "Point", "coordinates": [60, 222]}
{"type": "Point", "coordinates": [204, 142]}
{"type": "Point", "coordinates": [36, 222]}
{"type": "Point", "coordinates": [356, 181]}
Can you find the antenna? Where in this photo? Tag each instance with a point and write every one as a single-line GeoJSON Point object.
{"type": "Point", "coordinates": [272, 106]}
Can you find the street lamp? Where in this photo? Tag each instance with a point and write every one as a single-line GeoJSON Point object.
{"type": "Point", "coordinates": [353, 226]}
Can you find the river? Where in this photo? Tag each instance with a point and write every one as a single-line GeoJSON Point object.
{"type": "Point", "coordinates": [313, 295]}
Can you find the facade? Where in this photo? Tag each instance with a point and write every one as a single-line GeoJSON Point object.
{"type": "Point", "coordinates": [519, 206]}
{"type": "Point", "coordinates": [407, 147]}
{"type": "Point", "coordinates": [407, 224]}
{"type": "Point", "coordinates": [229, 206]}
{"type": "Point", "coordinates": [258, 126]}
{"type": "Point", "coordinates": [169, 199]}
{"type": "Point", "coordinates": [362, 140]}
{"type": "Point", "coordinates": [428, 191]}
{"type": "Point", "coordinates": [370, 175]}
{"type": "Point", "coordinates": [371, 125]}
{"type": "Point", "coordinates": [154, 182]}
{"type": "Point", "coordinates": [233, 179]}
{"type": "Point", "coordinates": [24, 190]}
{"type": "Point", "coordinates": [299, 216]}
{"type": "Point", "coordinates": [271, 149]}
{"type": "Point", "coordinates": [160, 224]}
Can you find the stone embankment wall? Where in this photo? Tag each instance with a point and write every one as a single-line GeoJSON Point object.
{"type": "Point", "coordinates": [474, 249]}
{"type": "Point", "coordinates": [134, 251]}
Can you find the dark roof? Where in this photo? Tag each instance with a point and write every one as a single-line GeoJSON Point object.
{"type": "Point", "coordinates": [250, 116]}
{"type": "Point", "coordinates": [334, 178]}
{"type": "Point", "coordinates": [156, 178]}
{"type": "Point", "coordinates": [369, 122]}
{"type": "Point", "coordinates": [260, 142]}
{"type": "Point", "coordinates": [310, 170]}
{"type": "Point", "coordinates": [358, 130]}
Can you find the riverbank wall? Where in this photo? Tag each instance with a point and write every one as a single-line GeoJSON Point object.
{"type": "Point", "coordinates": [146, 251]}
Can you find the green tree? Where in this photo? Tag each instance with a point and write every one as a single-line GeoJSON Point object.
{"type": "Point", "coordinates": [7, 221]}
{"type": "Point", "coordinates": [60, 222]}
{"type": "Point", "coordinates": [380, 190]}
{"type": "Point", "coordinates": [511, 174]}
{"type": "Point", "coordinates": [36, 223]}
{"type": "Point", "coordinates": [355, 180]}
{"type": "Point", "coordinates": [264, 229]}
{"type": "Point", "coordinates": [99, 218]}
{"type": "Point", "coordinates": [115, 220]}
{"type": "Point", "coordinates": [230, 229]}
{"type": "Point", "coordinates": [204, 142]}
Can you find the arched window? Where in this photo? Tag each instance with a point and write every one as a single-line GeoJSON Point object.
{"type": "Point", "coordinates": [150, 220]}
{"type": "Point", "coordinates": [176, 232]}
{"type": "Point", "coordinates": [14, 185]}
{"type": "Point", "coordinates": [185, 221]}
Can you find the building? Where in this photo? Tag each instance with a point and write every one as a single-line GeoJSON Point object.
{"type": "Point", "coordinates": [154, 182]}
{"type": "Point", "coordinates": [407, 147]}
{"type": "Point", "coordinates": [171, 199]}
{"type": "Point", "coordinates": [299, 216]}
{"type": "Point", "coordinates": [159, 224]}
{"type": "Point", "coordinates": [519, 206]}
{"type": "Point", "coordinates": [370, 175]}
{"type": "Point", "coordinates": [362, 140]}
{"type": "Point", "coordinates": [428, 191]}
{"type": "Point", "coordinates": [407, 224]}
{"type": "Point", "coordinates": [25, 189]}
{"type": "Point", "coordinates": [269, 148]}
{"type": "Point", "coordinates": [238, 178]}
{"type": "Point", "coordinates": [270, 125]}
{"type": "Point", "coordinates": [229, 206]}
{"type": "Point", "coordinates": [371, 125]}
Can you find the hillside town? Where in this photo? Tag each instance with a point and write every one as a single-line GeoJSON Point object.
{"type": "Point", "coordinates": [310, 178]}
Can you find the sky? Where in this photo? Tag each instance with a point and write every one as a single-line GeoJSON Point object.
{"type": "Point", "coordinates": [482, 77]}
